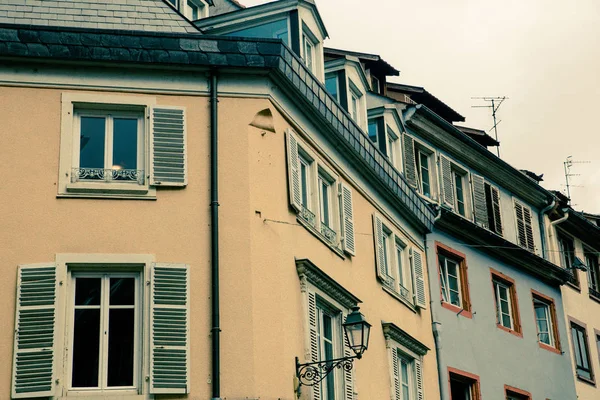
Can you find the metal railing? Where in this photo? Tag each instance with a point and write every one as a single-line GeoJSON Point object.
{"type": "Point", "coordinates": [108, 175]}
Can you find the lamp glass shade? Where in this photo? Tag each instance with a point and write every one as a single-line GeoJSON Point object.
{"type": "Point", "coordinates": [357, 331]}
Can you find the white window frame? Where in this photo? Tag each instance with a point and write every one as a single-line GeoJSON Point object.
{"type": "Point", "coordinates": [429, 152]}
{"type": "Point", "coordinates": [549, 323]}
{"type": "Point", "coordinates": [499, 313]}
{"type": "Point", "coordinates": [392, 240]}
{"type": "Point", "coordinates": [393, 147]}
{"type": "Point", "coordinates": [336, 77]}
{"type": "Point", "coordinates": [308, 162]}
{"type": "Point", "coordinates": [326, 307]}
{"type": "Point", "coordinates": [326, 208]}
{"type": "Point", "coordinates": [76, 104]}
{"type": "Point", "coordinates": [444, 276]}
{"type": "Point", "coordinates": [72, 274]}
{"type": "Point", "coordinates": [466, 190]}
{"type": "Point", "coordinates": [376, 141]}
{"type": "Point", "coordinates": [355, 102]}
{"type": "Point", "coordinates": [402, 353]}
{"type": "Point", "coordinates": [200, 5]}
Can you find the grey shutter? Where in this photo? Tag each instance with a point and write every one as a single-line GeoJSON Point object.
{"type": "Point", "coordinates": [169, 329]}
{"type": "Point", "coordinates": [521, 236]}
{"type": "Point", "coordinates": [35, 330]}
{"type": "Point", "coordinates": [396, 373]}
{"type": "Point", "coordinates": [419, 379]}
{"type": "Point", "coordinates": [496, 210]}
{"type": "Point", "coordinates": [168, 146]}
{"type": "Point", "coordinates": [410, 166]}
{"type": "Point", "coordinates": [293, 166]}
{"type": "Point", "coordinates": [447, 182]}
{"type": "Point", "coordinates": [528, 228]}
{"type": "Point", "coordinates": [347, 219]}
{"type": "Point", "coordinates": [313, 338]}
{"type": "Point", "coordinates": [419, 279]}
{"type": "Point", "coordinates": [348, 374]}
{"type": "Point", "coordinates": [379, 252]}
{"type": "Point", "coordinates": [479, 204]}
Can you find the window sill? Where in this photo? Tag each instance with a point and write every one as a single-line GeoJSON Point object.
{"type": "Point", "coordinates": [108, 190]}
{"type": "Point", "coordinates": [457, 310]}
{"type": "Point", "coordinates": [549, 348]}
{"type": "Point", "coordinates": [511, 331]}
{"type": "Point", "coordinates": [104, 396]}
{"type": "Point", "coordinates": [397, 296]}
{"type": "Point", "coordinates": [573, 286]}
{"type": "Point", "coordinates": [595, 298]}
{"type": "Point", "coordinates": [586, 380]}
{"type": "Point", "coordinates": [320, 236]}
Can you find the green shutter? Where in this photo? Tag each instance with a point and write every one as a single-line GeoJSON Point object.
{"type": "Point", "coordinates": [293, 170]}
{"type": "Point", "coordinates": [479, 204]}
{"type": "Point", "coordinates": [447, 182]}
{"type": "Point", "coordinates": [168, 147]}
{"type": "Point", "coordinates": [419, 279]}
{"type": "Point", "coordinates": [347, 220]}
{"type": "Point", "coordinates": [410, 166]}
{"type": "Point", "coordinates": [348, 374]}
{"type": "Point", "coordinates": [379, 250]}
{"type": "Point", "coordinates": [396, 372]}
{"type": "Point", "coordinates": [169, 330]}
{"type": "Point", "coordinates": [495, 194]}
{"type": "Point", "coordinates": [35, 332]}
{"type": "Point", "coordinates": [419, 379]}
{"type": "Point", "coordinates": [313, 338]}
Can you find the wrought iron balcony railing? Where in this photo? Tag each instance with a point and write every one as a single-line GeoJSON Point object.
{"type": "Point", "coordinates": [329, 233]}
{"type": "Point", "coordinates": [109, 175]}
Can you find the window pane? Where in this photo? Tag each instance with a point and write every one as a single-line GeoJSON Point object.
{"type": "Point", "coordinates": [125, 143]}
{"type": "Point", "coordinates": [87, 291]}
{"type": "Point", "coordinates": [192, 11]}
{"type": "Point", "coordinates": [576, 345]}
{"type": "Point", "coordinates": [121, 347]}
{"type": "Point", "coordinates": [275, 30]}
{"type": "Point", "coordinates": [86, 347]}
{"type": "Point", "coordinates": [122, 291]}
{"type": "Point", "coordinates": [91, 142]}
{"type": "Point", "coordinates": [304, 183]}
{"type": "Point", "coordinates": [331, 84]}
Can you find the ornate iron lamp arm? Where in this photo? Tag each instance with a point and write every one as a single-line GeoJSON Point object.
{"type": "Point", "coordinates": [310, 374]}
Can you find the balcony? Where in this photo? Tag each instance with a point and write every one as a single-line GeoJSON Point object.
{"type": "Point", "coordinates": [107, 175]}
{"type": "Point", "coordinates": [308, 216]}
{"type": "Point", "coordinates": [329, 233]}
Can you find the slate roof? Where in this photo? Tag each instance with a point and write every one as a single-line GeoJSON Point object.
{"type": "Point", "coordinates": [184, 50]}
{"type": "Point", "coordinates": [134, 15]}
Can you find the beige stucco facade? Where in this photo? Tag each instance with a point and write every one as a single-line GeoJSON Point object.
{"type": "Point", "coordinates": [263, 321]}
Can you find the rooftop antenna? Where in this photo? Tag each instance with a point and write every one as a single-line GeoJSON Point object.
{"type": "Point", "coordinates": [568, 164]}
{"type": "Point", "coordinates": [495, 103]}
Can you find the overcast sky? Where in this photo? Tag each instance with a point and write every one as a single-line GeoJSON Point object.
{"type": "Point", "coordinates": [544, 55]}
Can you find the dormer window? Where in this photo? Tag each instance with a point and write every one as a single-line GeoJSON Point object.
{"type": "Point", "coordinates": [355, 106]}
{"type": "Point", "coordinates": [192, 9]}
{"type": "Point", "coordinates": [375, 84]}
{"type": "Point", "coordinates": [309, 44]}
{"type": "Point", "coordinates": [277, 29]}
{"type": "Point", "coordinates": [332, 85]}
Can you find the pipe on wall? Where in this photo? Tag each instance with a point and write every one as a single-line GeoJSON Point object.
{"type": "Point", "coordinates": [543, 226]}
{"type": "Point", "coordinates": [214, 234]}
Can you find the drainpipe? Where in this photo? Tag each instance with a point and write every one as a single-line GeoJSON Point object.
{"type": "Point", "coordinates": [558, 221]}
{"type": "Point", "coordinates": [214, 224]}
{"type": "Point", "coordinates": [543, 226]}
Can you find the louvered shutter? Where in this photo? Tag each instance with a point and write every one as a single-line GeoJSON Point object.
{"type": "Point", "coordinates": [496, 210]}
{"type": "Point", "coordinates": [447, 182]}
{"type": "Point", "coordinates": [396, 374]}
{"type": "Point", "coordinates": [169, 329]}
{"type": "Point", "coordinates": [379, 249]}
{"type": "Point", "coordinates": [479, 204]}
{"type": "Point", "coordinates": [168, 146]}
{"type": "Point", "coordinates": [348, 374]}
{"type": "Point", "coordinates": [35, 330]}
{"type": "Point", "coordinates": [293, 166]}
{"type": "Point", "coordinates": [419, 379]}
{"type": "Point", "coordinates": [521, 235]}
{"type": "Point", "coordinates": [528, 228]}
{"type": "Point", "coordinates": [410, 166]}
{"type": "Point", "coordinates": [347, 219]}
{"type": "Point", "coordinates": [313, 337]}
{"type": "Point", "coordinates": [419, 278]}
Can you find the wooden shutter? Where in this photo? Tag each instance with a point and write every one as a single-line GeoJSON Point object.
{"type": "Point", "coordinates": [379, 251]}
{"type": "Point", "coordinates": [293, 166]}
{"type": "Point", "coordinates": [169, 329]}
{"type": "Point", "coordinates": [396, 374]}
{"type": "Point", "coordinates": [35, 332]}
{"type": "Point", "coordinates": [348, 374]}
{"type": "Point", "coordinates": [524, 227]}
{"type": "Point", "coordinates": [447, 181]}
{"type": "Point", "coordinates": [410, 166]}
{"type": "Point", "coordinates": [419, 279]}
{"type": "Point", "coordinates": [168, 146]}
{"type": "Point", "coordinates": [419, 379]}
{"type": "Point", "coordinates": [495, 194]}
{"type": "Point", "coordinates": [313, 338]}
{"type": "Point", "coordinates": [479, 204]}
{"type": "Point", "coordinates": [347, 224]}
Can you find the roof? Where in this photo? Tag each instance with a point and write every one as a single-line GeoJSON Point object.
{"type": "Point", "coordinates": [422, 96]}
{"type": "Point", "coordinates": [479, 136]}
{"type": "Point", "coordinates": [134, 15]}
{"type": "Point", "coordinates": [168, 50]}
{"type": "Point", "coordinates": [371, 61]}
{"type": "Point", "coordinates": [224, 6]}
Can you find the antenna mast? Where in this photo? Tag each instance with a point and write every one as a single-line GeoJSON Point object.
{"type": "Point", "coordinates": [568, 164]}
{"type": "Point", "coordinates": [495, 103]}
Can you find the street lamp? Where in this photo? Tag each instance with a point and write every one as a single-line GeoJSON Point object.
{"type": "Point", "coordinates": [356, 330]}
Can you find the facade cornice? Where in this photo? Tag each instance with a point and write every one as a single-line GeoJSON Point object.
{"type": "Point", "coordinates": [319, 279]}
{"type": "Point", "coordinates": [393, 332]}
{"type": "Point", "coordinates": [581, 228]}
{"type": "Point", "coordinates": [424, 122]}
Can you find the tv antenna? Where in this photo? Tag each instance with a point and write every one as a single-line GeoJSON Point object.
{"type": "Point", "coordinates": [495, 103]}
{"type": "Point", "coordinates": [568, 164]}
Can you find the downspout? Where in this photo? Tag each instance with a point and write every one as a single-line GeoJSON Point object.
{"type": "Point", "coordinates": [437, 330]}
{"type": "Point", "coordinates": [543, 226]}
{"type": "Point", "coordinates": [559, 221]}
{"type": "Point", "coordinates": [214, 226]}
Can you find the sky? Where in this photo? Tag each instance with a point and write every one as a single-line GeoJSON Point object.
{"type": "Point", "coordinates": [543, 55]}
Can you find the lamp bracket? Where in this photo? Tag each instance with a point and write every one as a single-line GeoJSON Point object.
{"type": "Point", "coordinates": [310, 374]}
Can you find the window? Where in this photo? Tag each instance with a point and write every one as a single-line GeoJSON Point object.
{"type": "Point", "coordinates": [328, 336]}
{"type": "Point", "coordinates": [309, 52]}
{"type": "Point", "coordinates": [375, 84]}
{"type": "Point", "coordinates": [355, 103]}
{"type": "Point", "coordinates": [463, 385]}
{"type": "Point", "coordinates": [454, 185]}
{"type": "Point", "coordinates": [524, 226]}
{"type": "Point", "coordinates": [459, 194]}
{"type": "Point", "coordinates": [405, 383]}
{"type": "Point", "coordinates": [492, 201]}
{"type": "Point", "coordinates": [109, 346]}
{"type": "Point", "coordinates": [332, 85]}
{"type": "Point", "coordinates": [423, 172]}
{"type": "Point", "coordinates": [566, 248]}
{"type": "Point", "coordinates": [512, 393]}
{"type": "Point", "coordinates": [545, 321]}
{"type": "Point", "coordinates": [406, 354]}
{"type": "Point", "coordinates": [392, 148]}
{"type": "Point", "coordinates": [373, 130]}
{"type": "Point", "coordinates": [322, 202]}
{"type": "Point", "coordinates": [591, 261]}
{"type": "Point", "coordinates": [419, 167]}
{"type": "Point", "coordinates": [581, 352]}
{"type": "Point", "coordinates": [120, 146]}
{"type": "Point", "coordinates": [277, 29]}
{"type": "Point", "coordinates": [195, 9]}
{"type": "Point", "coordinates": [399, 267]}
{"type": "Point", "coordinates": [453, 280]}
{"type": "Point", "coordinates": [505, 298]}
